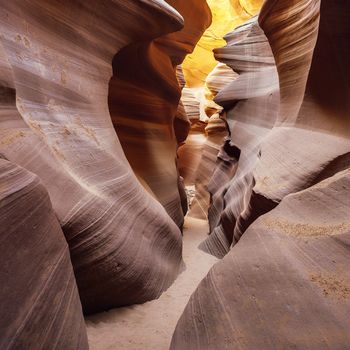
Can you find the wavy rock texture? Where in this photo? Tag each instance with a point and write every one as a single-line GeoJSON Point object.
{"type": "Point", "coordinates": [197, 157]}
{"type": "Point", "coordinates": [250, 116]}
{"type": "Point", "coordinates": [254, 191]}
{"type": "Point", "coordinates": [144, 98]}
{"type": "Point", "coordinates": [215, 133]}
{"type": "Point", "coordinates": [55, 122]}
{"type": "Point", "coordinates": [312, 135]}
{"type": "Point", "coordinates": [221, 76]}
{"type": "Point", "coordinates": [182, 123]}
{"type": "Point", "coordinates": [199, 153]}
{"type": "Point", "coordinates": [286, 283]}
{"type": "Point", "coordinates": [39, 297]}
{"type": "Point", "coordinates": [182, 127]}
{"type": "Point", "coordinates": [189, 152]}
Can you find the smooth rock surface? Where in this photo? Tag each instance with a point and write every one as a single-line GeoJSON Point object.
{"type": "Point", "coordinates": [284, 280]}
{"type": "Point", "coordinates": [56, 63]}
{"type": "Point", "coordinates": [39, 298]}
{"type": "Point", "coordinates": [285, 285]}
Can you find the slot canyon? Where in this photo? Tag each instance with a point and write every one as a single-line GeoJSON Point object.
{"type": "Point", "coordinates": [175, 174]}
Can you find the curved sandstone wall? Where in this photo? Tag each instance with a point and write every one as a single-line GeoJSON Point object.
{"type": "Point", "coordinates": [251, 102]}
{"type": "Point", "coordinates": [285, 284]}
{"type": "Point", "coordinates": [56, 64]}
{"type": "Point", "coordinates": [144, 96]}
{"type": "Point", "coordinates": [38, 295]}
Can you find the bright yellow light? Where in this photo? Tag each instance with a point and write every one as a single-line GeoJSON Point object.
{"type": "Point", "coordinates": [227, 15]}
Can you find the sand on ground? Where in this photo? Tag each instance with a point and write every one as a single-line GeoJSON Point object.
{"type": "Point", "coordinates": [150, 326]}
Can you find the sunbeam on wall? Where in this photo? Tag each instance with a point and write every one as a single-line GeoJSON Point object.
{"type": "Point", "coordinates": [227, 14]}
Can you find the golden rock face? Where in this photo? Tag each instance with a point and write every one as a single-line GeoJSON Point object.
{"type": "Point", "coordinates": [227, 14]}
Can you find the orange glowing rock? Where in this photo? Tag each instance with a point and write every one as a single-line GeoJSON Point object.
{"type": "Point", "coordinates": [227, 15]}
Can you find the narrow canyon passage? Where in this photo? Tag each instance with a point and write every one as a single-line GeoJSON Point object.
{"type": "Point", "coordinates": [151, 325]}
{"type": "Point", "coordinates": [174, 174]}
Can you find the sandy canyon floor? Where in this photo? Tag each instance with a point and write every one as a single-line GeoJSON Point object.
{"type": "Point", "coordinates": [150, 326]}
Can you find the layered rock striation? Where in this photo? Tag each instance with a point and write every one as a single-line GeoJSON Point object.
{"type": "Point", "coordinates": [251, 103]}
{"type": "Point", "coordinates": [144, 96]}
{"type": "Point", "coordinates": [284, 285]}
{"type": "Point", "coordinates": [283, 226]}
{"type": "Point", "coordinates": [94, 138]}
{"type": "Point", "coordinates": [56, 65]}
{"type": "Point", "coordinates": [39, 297]}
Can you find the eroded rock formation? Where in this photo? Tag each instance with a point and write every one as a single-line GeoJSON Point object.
{"type": "Point", "coordinates": [144, 98]}
{"type": "Point", "coordinates": [56, 64]}
{"type": "Point", "coordinates": [93, 140]}
{"type": "Point", "coordinates": [204, 78]}
{"type": "Point", "coordinates": [251, 102]}
{"type": "Point", "coordinates": [286, 283]}
{"type": "Point", "coordinates": [38, 295]}
{"type": "Point", "coordinates": [227, 14]}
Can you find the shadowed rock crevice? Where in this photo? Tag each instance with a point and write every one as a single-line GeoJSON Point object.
{"type": "Point", "coordinates": [144, 96]}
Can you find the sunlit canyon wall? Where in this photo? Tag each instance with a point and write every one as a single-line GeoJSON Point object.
{"type": "Point", "coordinates": [205, 77]}
{"type": "Point", "coordinates": [279, 213]}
